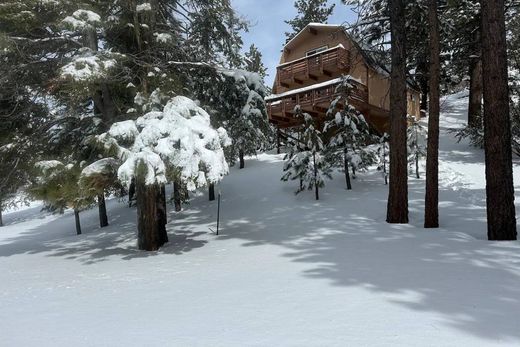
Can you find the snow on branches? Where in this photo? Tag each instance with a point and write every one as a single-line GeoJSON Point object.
{"type": "Point", "coordinates": [180, 138]}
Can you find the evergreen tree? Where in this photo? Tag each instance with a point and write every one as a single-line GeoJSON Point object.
{"type": "Point", "coordinates": [497, 134]}
{"type": "Point", "coordinates": [253, 62]}
{"type": "Point", "coordinates": [308, 11]}
{"type": "Point", "coordinates": [398, 193]}
{"type": "Point", "coordinates": [415, 139]}
{"type": "Point", "coordinates": [347, 133]}
{"type": "Point", "coordinates": [306, 161]}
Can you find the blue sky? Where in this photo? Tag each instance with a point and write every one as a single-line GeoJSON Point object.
{"type": "Point", "coordinates": [268, 27]}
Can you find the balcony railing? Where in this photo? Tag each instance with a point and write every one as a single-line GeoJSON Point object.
{"type": "Point", "coordinates": [324, 63]}
{"type": "Point", "coordinates": [315, 100]}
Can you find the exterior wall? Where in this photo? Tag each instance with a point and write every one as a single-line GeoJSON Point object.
{"type": "Point", "coordinates": [378, 84]}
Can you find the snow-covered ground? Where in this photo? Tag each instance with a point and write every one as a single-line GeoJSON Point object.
{"type": "Point", "coordinates": [285, 271]}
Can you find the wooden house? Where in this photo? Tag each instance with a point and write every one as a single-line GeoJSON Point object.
{"type": "Point", "coordinates": [310, 68]}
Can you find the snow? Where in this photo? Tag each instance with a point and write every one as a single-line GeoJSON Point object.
{"type": "Point", "coordinates": [100, 167]}
{"type": "Point", "coordinates": [312, 87]}
{"type": "Point", "coordinates": [83, 19]}
{"type": "Point", "coordinates": [286, 270]}
{"type": "Point", "coordinates": [163, 37]}
{"type": "Point", "coordinates": [144, 7]}
{"type": "Point", "coordinates": [84, 68]}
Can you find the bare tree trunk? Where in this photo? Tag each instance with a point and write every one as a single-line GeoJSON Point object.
{"type": "Point", "coordinates": [211, 192]}
{"type": "Point", "coordinates": [431, 213]}
{"type": "Point", "coordinates": [151, 231]}
{"type": "Point", "coordinates": [76, 219]}
{"type": "Point", "coordinates": [397, 210]}
{"type": "Point", "coordinates": [162, 204]}
{"type": "Point", "coordinates": [241, 158]}
{"type": "Point", "coordinates": [102, 209]}
{"type": "Point", "coordinates": [316, 188]}
{"type": "Point", "coordinates": [475, 94]}
{"type": "Point", "coordinates": [131, 192]}
{"type": "Point", "coordinates": [501, 215]}
{"type": "Point", "coordinates": [1, 218]}
{"type": "Point", "coordinates": [177, 196]}
{"type": "Point", "coordinates": [347, 174]}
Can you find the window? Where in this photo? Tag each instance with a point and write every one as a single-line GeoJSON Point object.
{"type": "Point", "coordinates": [316, 50]}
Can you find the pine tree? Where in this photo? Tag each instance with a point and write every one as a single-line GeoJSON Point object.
{"type": "Point", "coordinates": [308, 11]}
{"type": "Point", "coordinates": [306, 161]}
{"type": "Point", "coordinates": [497, 134]}
{"type": "Point", "coordinates": [415, 139]}
{"type": "Point", "coordinates": [254, 63]}
{"type": "Point", "coordinates": [347, 133]}
{"type": "Point", "coordinates": [431, 216]}
{"type": "Point", "coordinates": [397, 211]}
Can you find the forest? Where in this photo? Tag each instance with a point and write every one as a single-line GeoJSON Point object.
{"type": "Point", "coordinates": [132, 132]}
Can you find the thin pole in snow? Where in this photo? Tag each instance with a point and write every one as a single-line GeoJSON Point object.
{"type": "Point", "coordinates": [218, 212]}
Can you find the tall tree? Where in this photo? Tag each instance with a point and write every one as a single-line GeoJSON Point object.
{"type": "Point", "coordinates": [497, 125]}
{"type": "Point", "coordinates": [397, 210]}
{"type": "Point", "coordinates": [431, 216]}
{"type": "Point", "coordinates": [309, 11]}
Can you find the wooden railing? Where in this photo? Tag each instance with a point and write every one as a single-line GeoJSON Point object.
{"type": "Point", "coordinates": [311, 98]}
{"type": "Point", "coordinates": [314, 66]}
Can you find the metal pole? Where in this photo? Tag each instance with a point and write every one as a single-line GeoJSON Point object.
{"type": "Point", "coordinates": [218, 212]}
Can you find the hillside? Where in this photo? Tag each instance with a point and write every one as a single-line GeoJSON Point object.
{"type": "Point", "coordinates": [285, 270]}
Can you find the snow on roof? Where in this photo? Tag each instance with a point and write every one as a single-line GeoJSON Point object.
{"type": "Point", "coordinates": [311, 87]}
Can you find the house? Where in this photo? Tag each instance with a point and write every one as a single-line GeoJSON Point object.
{"type": "Point", "coordinates": [310, 68]}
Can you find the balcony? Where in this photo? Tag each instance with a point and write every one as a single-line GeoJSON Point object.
{"type": "Point", "coordinates": [313, 67]}
{"type": "Point", "coordinates": [314, 100]}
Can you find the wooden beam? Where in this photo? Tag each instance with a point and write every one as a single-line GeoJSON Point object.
{"type": "Point", "coordinates": [313, 31]}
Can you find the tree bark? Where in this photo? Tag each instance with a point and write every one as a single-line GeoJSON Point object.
{"type": "Point", "coordinates": [501, 215]}
{"type": "Point", "coordinates": [1, 218]}
{"type": "Point", "coordinates": [316, 188]}
{"type": "Point", "coordinates": [475, 94]}
{"type": "Point", "coordinates": [241, 158]}
{"type": "Point", "coordinates": [177, 195]}
{"type": "Point", "coordinates": [161, 200]}
{"type": "Point", "coordinates": [347, 174]}
{"type": "Point", "coordinates": [78, 223]}
{"type": "Point", "coordinates": [211, 192]}
{"type": "Point", "coordinates": [151, 230]}
{"type": "Point", "coordinates": [102, 209]}
{"type": "Point", "coordinates": [431, 213]}
{"type": "Point", "coordinates": [397, 209]}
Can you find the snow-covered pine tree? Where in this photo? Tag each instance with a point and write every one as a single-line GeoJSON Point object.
{"type": "Point", "coordinates": [306, 160]}
{"type": "Point", "coordinates": [308, 11]}
{"type": "Point", "coordinates": [416, 137]}
{"type": "Point", "coordinates": [347, 133]}
{"type": "Point", "coordinates": [178, 139]}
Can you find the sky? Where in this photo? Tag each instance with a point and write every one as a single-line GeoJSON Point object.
{"type": "Point", "coordinates": [268, 28]}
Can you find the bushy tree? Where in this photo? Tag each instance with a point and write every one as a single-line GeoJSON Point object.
{"type": "Point", "coordinates": [306, 160]}
{"type": "Point", "coordinates": [347, 133]}
{"type": "Point", "coordinates": [416, 137]}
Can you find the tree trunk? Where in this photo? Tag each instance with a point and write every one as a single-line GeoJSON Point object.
{"type": "Point", "coordinates": [151, 231]}
{"type": "Point", "coordinates": [431, 205]}
{"type": "Point", "coordinates": [241, 158]}
{"type": "Point", "coordinates": [78, 224]}
{"type": "Point", "coordinates": [102, 208]}
{"type": "Point", "coordinates": [397, 210]}
{"type": "Point", "coordinates": [417, 166]}
{"type": "Point", "coordinates": [501, 215]}
{"type": "Point", "coordinates": [162, 204]}
{"type": "Point", "coordinates": [162, 214]}
{"type": "Point", "coordinates": [277, 140]}
{"type": "Point", "coordinates": [475, 82]}
{"type": "Point", "coordinates": [211, 192]}
{"type": "Point", "coordinates": [177, 196]}
{"type": "Point", "coordinates": [316, 188]}
{"type": "Point", "coordinates": [1, 218]}
{"type": "Point", "coordinates": [131, 192]}
{"type": "Point", "coordinates": [475, 94]}
{"type": "Point", "coordinates": [347, 174]}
